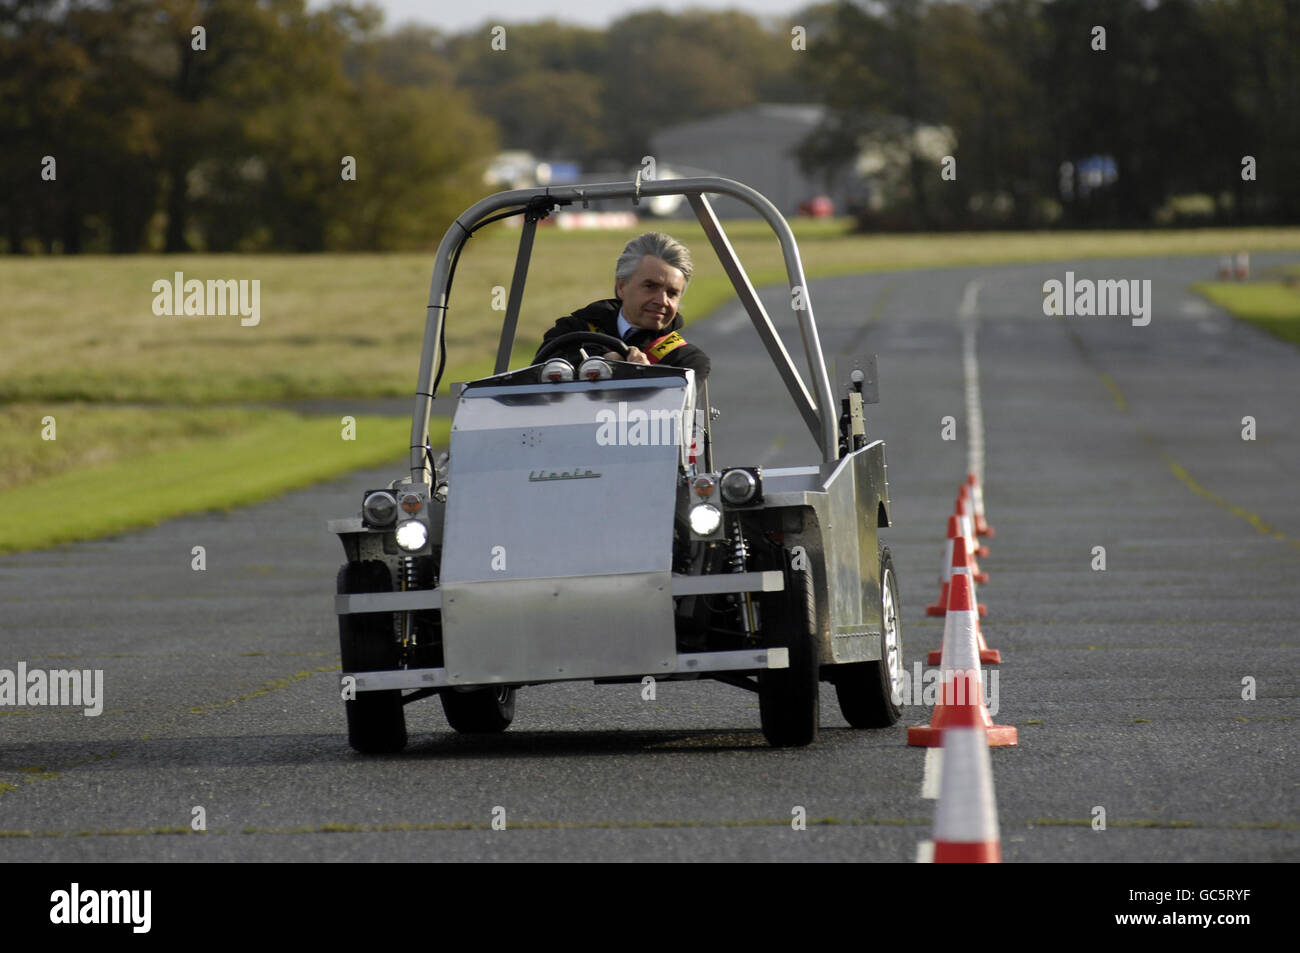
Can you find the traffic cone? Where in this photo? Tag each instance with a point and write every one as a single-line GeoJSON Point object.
{"type": "Point", "coordinates": [982, 527]}
{"type": "Point", "coordinates": [962, 508]}
{"type": "Point", "coordinates": [960, 658]}
{"type": "Point", "coordinates": [966, 817]}
{"type": "Point", "coordinates": [1243, 265]}
{"type": "Point", "coordinates": [988, 656]}
{"type": "Point", "coordinates": [1225, 267]}
{"type": "Point", "coordinates": [940, 606]}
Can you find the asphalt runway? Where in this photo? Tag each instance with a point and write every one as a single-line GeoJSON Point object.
{"type": "Point", "coordinates": [1125, 684]}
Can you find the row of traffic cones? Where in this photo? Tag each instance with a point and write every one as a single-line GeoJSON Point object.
{"type": "Point", "coordinates": [966, 823]}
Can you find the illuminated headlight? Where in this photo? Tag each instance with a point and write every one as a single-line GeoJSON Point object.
{"type": "Point", "coordinates": [557, 371]}
{"type": "Point", "coordinates": [412, 535]}
{"type": "Point", "coordinates": [705, 519]}
{"type": "Point", "coordinates": [739, 487]}
{"type": "Point", "coordinates": [595, 369]}
{"type": "Point", "coordinates": [379, 508]}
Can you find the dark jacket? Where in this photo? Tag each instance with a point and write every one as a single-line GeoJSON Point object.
{"type": "Point", "coordinates": [602, 316]}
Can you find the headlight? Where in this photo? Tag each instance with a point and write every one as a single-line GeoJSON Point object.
{"type": "Point", "coordinates": [738, 487]}
{"type": "Point", "coordinates": [595, 369]}
{"type": "Point", "coordinates": [412, 535]}
{"type": "Point", "coordinates": [705, 519]}
{"type": "Point", "coordinates": [379, 508]}
{"type": "Point", "coordinates": [557, 371]}
{"type": "Point", "coordinates": [703, 486]}
{"type": "Point", "coordinates": [411, 503]}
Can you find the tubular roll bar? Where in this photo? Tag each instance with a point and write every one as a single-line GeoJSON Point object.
{"type": "Point", "coordinates": [818, 412]}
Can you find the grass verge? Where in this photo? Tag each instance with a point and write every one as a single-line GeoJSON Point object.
{"type": "Point", "coordinates": [1271, 305]}
{"type": "Point", "coordinates": [81, 334]}
{"type": "Point", "coordinates": [275, 451]}
{"type": "Point", "coordinates": [84, 329]}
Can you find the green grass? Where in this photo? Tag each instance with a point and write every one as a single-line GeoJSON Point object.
{"type": "Point", "coordinates": [272, 452]}
{"type": "Point", "coordinates": [93, 435]}
{"type": "Point", "coordinates": [1271, 305]}
{"type": "Point", "coordinates": [147, 407]}
{"type": "Point", "coordinates": [84, 329]}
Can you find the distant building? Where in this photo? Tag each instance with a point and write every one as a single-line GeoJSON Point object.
{"type": "Point", "coordinates": [755, 145]}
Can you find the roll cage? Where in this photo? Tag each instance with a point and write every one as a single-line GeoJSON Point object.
{"type": "Point", "coordinates": [818, 412]}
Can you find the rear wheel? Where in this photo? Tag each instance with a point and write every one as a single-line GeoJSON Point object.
{"type": "Point", "coordinates": [789, 698]}
{"type": "Point", "coordinates": [376, 722]}
{"type": "Point", "coordinates": [870, 693]}
{"type": "Point", "coordinates": [481, 711]}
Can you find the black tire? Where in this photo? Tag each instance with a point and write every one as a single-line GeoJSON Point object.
{"type": "Point", "coordinates": [376, 722]}
{"type": "Point", "coordinates": [482, 711]}
{"type": "Point", "coordinates": [789, 699]}
{"type": "Point", "coordinates": [865, 689]}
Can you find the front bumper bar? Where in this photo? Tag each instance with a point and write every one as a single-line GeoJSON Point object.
{"type": "Point", "coordinates": [742, 660]}
{"type": "Point", "coordinates": [767, 581]}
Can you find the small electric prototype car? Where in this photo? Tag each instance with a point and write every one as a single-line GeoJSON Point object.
{"type": "Point", "coordinates": [509, 560]}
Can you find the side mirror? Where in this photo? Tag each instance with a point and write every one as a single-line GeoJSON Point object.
{"type": "Point", "coordinates": [861, 376]}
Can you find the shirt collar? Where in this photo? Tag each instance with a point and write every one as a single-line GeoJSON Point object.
{"type": "Point", "coordinates": [623, 325]}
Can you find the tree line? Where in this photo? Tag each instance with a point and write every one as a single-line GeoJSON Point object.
{"type": "Point", "coordinates": [1070, 112]}
{"type": "Point", "coordinates": [252, 125]}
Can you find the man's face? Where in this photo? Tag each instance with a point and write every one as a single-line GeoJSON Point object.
{"type": "Point", "coordinates": [652, 293]}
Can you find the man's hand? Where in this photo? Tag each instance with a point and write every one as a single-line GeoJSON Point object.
{"type": "Point", "coordinates": [634, 356]}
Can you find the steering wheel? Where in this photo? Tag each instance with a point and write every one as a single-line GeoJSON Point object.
{"type": "Point", "coordinates": [574, 339]}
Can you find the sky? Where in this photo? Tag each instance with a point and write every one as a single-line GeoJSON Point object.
{"type": "Point", "coordinates": [456, 16]}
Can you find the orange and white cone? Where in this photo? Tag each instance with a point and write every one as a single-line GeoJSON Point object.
{"type": "Point", "coordinates": [940, 606]}
{"type": "Point", "coordinates": [1243, 265]}
{"type": "Point", "coordinates": [982, 527]}
{"type": "Point", "coordinates": [960, 658]}
{"type": "Point", "coordinates": [988, 656]}
{"type": "Point", "coordinates": [962, 508]}
{"type": "Point", "coordinates": [966, 817]}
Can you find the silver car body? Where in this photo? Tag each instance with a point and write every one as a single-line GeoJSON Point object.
{"type": "Point", "coordinates": [542, 577]}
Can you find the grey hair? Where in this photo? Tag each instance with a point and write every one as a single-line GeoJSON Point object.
{"type": "Point", "coordinates": [661, 246]}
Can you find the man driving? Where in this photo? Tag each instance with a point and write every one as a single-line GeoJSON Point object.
{"type": "Point", "coordinates": [650, 278]}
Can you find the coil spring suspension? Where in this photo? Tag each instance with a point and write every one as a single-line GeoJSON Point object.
{"type": "Point", "coordinates": [739, 548]}
{"type": "Point", "coordinates": [740, 563]}
{"type": "Point", "coordinates": [408, 579]}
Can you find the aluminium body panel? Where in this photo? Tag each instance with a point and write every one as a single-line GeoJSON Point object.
{"type": "Point", "coordinates": [839, 506]}
{"type": "Point", "coordinates": [520, 630]}
{"type": "Point", "coordinates": [542, 483]}
{"type": "Point", "coordinates": [539, 579]}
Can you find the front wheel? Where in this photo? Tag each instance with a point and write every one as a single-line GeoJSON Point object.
{"type": "Point", "coordinates": [789, 698]}
{"type": "Point", "coordinates": [481, 711]}
{"type": "Point", "coordinates": [376, 722]}
{"type": "Point", "coordinates": [870, 693]}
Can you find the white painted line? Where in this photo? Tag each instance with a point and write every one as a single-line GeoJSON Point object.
{"type": "Point", "coordinates": [1195, 308]}
{"type": "Point", "coordinates": [925, 852]}
{"type": "Point", "coordinates": [968, 314]}
{"type": "Point", "coordinates": [969, 307]}
{"type": "Point", "coordinates": [933, 771]}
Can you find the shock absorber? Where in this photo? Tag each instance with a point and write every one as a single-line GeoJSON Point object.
{"type": "Point", "coordinates": [740, 563]}
{"type": "Point", "coordinates": [408, 580]}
